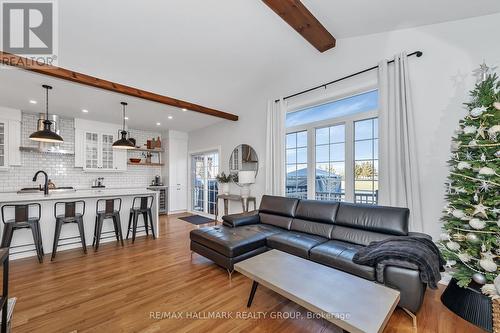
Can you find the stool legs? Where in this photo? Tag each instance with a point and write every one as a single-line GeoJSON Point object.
{"type": "Point", "coordinates": [37, 240]}
{"type": "Point", "coordinates": [148, 223]}
{"type": "Point", "coordinates": [130, 217]}
{"type": "Point", "coordinates": [8, 231]}
{"type": "Point", "coordinates": [118, 223]}
{"type": "Point", "coordinates": [134, 228]}
{"type": "Point", "coordinates": [57, 234]}
{"type": "Point", "coordinates": [145, 218]}
{"type": "Point", "coordinates": [98, 232]}
{"type": "Point", "coordinates": [81, 230]}
{"type": "Point", "coordinates": [151, 221]}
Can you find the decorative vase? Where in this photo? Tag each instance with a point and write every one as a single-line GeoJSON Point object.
{"type": "Point", "coordinates": [224, 188]}
{"type": "Point", "coordinates": [469, 303]}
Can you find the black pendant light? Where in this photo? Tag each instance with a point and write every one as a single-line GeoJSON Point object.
{"type": "Point", "coordinates": [123, 143]}
{"type": "Point", "coordinates": [46, 135]}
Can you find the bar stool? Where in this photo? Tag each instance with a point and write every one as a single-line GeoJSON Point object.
{"type": "Point", "coordinates": [23, 220]}
{"type": "Point", "coordinates": [144, 209]}
{"type": "Point", "coordinates": [70, 216]}
{"type": "Point", "coordinates": [109, 212]}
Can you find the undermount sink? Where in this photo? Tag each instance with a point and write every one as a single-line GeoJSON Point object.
{"type": "Point", "coordinates": [40, 190]}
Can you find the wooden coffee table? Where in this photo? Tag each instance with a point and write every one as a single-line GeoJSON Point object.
{"type": "Point", "coordinates": [350, 302]}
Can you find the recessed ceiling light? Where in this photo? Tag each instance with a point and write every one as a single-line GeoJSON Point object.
{"type": "Point", "coordinates": [184, 110]}
{"type": "Point", "coordinates": [126, 118]}
{"type": "Point", "coordinates": [158, 124]}
{"type": "Point", "coordinates": [170, 117]}
{"type": "Point", "coordinates": [33, 102]}
{"type": "Point", "coordinates": [85, 111]}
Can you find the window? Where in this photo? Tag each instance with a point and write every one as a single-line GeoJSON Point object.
{"type": "Point", "coordinates": [296, 165]}
{"type": "Point", "coordinates": [332, 151]}
{"type": "Point", "coordinates": [330, 163]}
{"type": "Point", "coordinates": [366, 161]}
{"type": "Point", "coordinates": [341, 108]}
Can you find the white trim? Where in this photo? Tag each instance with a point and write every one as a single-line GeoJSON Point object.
{"type": "Point", "coordinates": [334, 96]}
{"type": "Point", "coordinates": [348, 121]}
{"type": "Point", "coordinates": [217, 149]}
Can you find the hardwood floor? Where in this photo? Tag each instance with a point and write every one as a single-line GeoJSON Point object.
{"type": "Point", "coordinates": [132, 289]}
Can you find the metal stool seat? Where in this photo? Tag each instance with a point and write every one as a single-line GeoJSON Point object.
{"type": "Point", "coordinates": [144, 209]}
{"type": "Point", "coordinates": [23, 220]}
{"type": "Point", "coordinates": [109, 212]}
{"type": "Point", "coordinates": [70, 216]}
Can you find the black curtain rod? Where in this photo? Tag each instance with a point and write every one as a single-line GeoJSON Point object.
{"type": "Point", "coordinates": [416, 53]}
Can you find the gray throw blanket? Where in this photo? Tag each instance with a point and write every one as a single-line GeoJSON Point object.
{"type": "Point", "coordinates": [405, 252]}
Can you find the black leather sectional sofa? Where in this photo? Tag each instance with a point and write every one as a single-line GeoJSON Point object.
{"type": "Point", "coordinates": [329, 233]}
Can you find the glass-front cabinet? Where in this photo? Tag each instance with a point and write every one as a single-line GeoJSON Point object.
{"type": "Point", "coordinates": [99, 154]}
{"type": "Point", "coordinates": [107, 151]}
{"type": "Point", "coordinates": [3, 160]}
{"type": "Point", "coordinates": [91, 150]}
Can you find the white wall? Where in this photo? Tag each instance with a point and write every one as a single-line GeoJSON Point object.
{"type": "Point", "coordinates": [441, 80]}
{"type": "Point", "coordinates": [61, 168]}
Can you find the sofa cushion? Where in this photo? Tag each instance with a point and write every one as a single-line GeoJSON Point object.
{"type": "Point", "coordinates": [386, 220]}
{"type": "Point", "coordinates": [296, 243]}
{"type": "Point", "coordinates": [357, 236]}
{"type": "Point", "coordinates": [278, 205]}
{"type": "Point", "coordinates": [232, 242]}
{"type": "Point", "coordinates": [317, 211]}
{"type": "Point", "coordinates": [276, 220]}
{"type": "Point", "coordinates": [339, 255]}
{"type": "Point", "coordinates": [314, 228]}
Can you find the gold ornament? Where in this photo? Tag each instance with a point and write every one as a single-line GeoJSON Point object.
{"type": "Point", "coordinates": [458, 237]}
{"type": "Point", "coordinates": [480, 210]}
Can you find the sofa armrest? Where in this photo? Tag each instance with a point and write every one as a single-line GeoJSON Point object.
{"type": "Point", "coordinates": [419, 234]}
{"type": "Point", "coordinates": [238, 220]}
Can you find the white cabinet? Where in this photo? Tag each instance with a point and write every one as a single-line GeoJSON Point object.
{"type": "Point", "coordinates": [177, 144]}
{"type": "Point", "coordinates": [10, 138]}
{"type": "Point", "coordinates": [94, 147]}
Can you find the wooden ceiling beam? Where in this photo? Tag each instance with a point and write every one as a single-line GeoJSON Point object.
{"type": "Point", "coordinates": [304, 22]}
{"type": "Point", "coordinates": [68, 75]}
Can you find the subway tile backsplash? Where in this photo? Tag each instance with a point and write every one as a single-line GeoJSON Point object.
{"type": "Point", "coordinates": [61, 168]}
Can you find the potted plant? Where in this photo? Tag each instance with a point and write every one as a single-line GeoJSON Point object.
{"type": "Point", "coordinates": [224, 181]}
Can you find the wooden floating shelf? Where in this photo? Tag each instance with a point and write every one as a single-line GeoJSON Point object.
{"type": "Point", "coordinates": [146, 164]}
{"type": "Point", "coordinates": [148, 150]}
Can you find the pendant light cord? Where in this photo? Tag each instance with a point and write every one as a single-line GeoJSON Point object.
{"type": "Point", "coordinates": [123, 117]}
{"type": "Point", "coordinates": [47, 103]}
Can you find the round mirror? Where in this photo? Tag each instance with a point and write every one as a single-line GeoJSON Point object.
{"type": "Point", "coordinates": [243, 162]}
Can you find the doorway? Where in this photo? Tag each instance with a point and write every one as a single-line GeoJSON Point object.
{"type": "Point", "coordinates": [204, 187]}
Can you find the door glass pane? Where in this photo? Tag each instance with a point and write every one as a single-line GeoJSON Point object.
{"type": "Point", "coordinates": [330, 164]}
{"type": "Point", "coordinates": [198, 177]}
{"type": "Point", "coordinates": [296, 165]}
{"type": "Point", "coordinates": [205, 168]}
{"type": "Point", "coordinates": [366, 161]}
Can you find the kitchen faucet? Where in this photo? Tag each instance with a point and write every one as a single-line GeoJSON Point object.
{"type": "Point", "coordinates": [46, 185]}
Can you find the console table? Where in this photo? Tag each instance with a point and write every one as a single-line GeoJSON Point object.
{"type": "Point", "coordinates": [233, 197]}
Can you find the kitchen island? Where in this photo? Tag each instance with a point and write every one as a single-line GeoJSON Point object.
{"type": "Point", "coordinates": [21, 243]}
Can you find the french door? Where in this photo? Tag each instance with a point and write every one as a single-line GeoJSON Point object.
{"type": "Point", "coordinates": [204, 188]}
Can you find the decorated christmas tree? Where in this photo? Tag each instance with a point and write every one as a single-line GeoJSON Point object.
{"type": "Point", "coordinates": [471, 237]}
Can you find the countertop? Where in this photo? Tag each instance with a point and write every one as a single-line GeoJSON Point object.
{"type": "Point", "coordinates": [13, 197]}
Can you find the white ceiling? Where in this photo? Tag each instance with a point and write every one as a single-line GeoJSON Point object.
{"type": "Point", "coordinates": [223, 54]}
{"type": "Point", "coordinates": [362, 17]}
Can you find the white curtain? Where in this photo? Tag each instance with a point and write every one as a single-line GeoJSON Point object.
{"type": "Point", "coordinates": [275, 148]}
{"type": "Point", "coordinates": [398, 170]}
